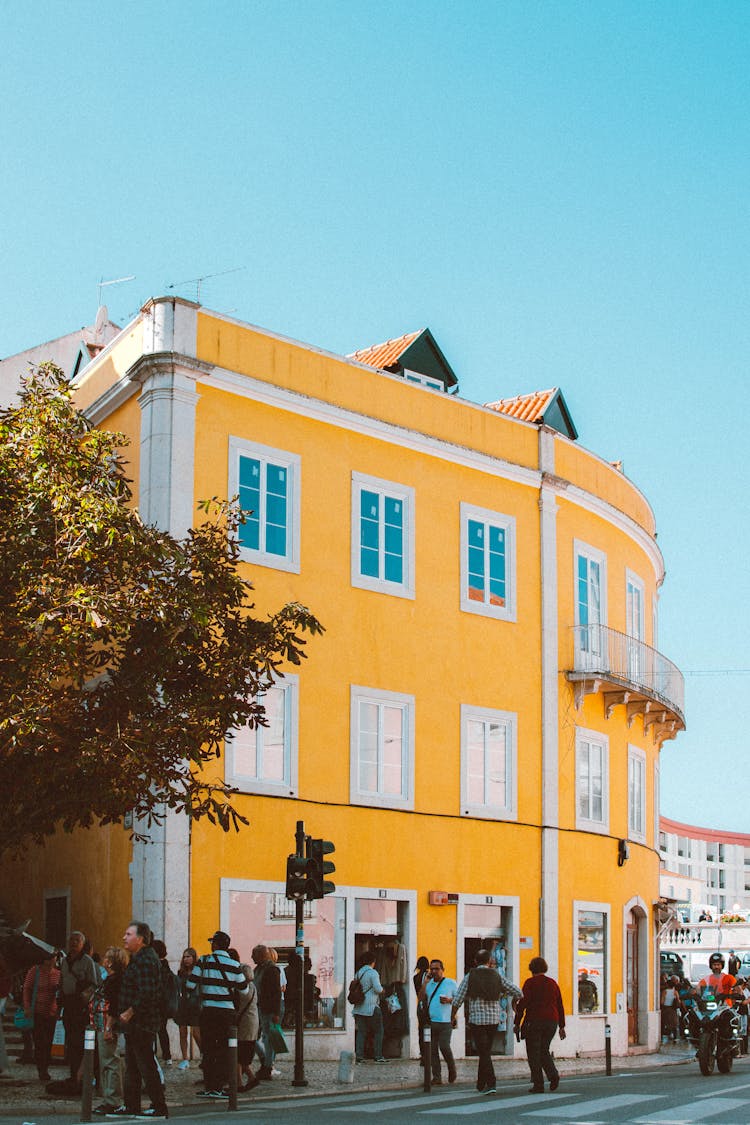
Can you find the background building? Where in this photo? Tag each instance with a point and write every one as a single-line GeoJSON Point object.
{"type": "Point", "coordinates": [479, 728]}
{"type": "Point", "coordinates": [719, 862]}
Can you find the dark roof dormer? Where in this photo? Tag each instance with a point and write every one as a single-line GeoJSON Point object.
{"type": "Point", "coordinates": [415, 354]}
{"type": "Point", "coordinates": [546, 408]}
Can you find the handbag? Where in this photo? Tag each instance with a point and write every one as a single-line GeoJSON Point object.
{"type": "Point", "coordinates": [276, 1039]}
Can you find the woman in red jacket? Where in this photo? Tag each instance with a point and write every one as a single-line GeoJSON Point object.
{"type": "Point", "coordinates": [538, 1016]}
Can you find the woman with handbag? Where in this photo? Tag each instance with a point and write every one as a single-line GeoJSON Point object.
{"type": "Point", "coordinates": [40, 1009]}
{"type": "Point", "coordinates": [188, 1009]}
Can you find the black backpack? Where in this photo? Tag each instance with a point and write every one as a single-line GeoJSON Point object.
{"type": "Point", "coordinates": [356, 991]}
{"type": "Point", "coordinates": [484, 984]}
{"type": "Point", "coordinates": [170, 993]}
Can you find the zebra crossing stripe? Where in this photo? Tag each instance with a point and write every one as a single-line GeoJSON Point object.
{"type": "Point", "coordinates": [692, 1111]}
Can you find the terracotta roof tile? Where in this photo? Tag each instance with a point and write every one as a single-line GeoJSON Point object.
{"type": "Point", "coordinates": [386, 354]}
{"type": "Point", "coordinates": [529, 408]}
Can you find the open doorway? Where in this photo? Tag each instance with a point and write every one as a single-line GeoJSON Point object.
{"type": "Point", "coordinates": [489, 927]}
{"type": "Point", "coordinates": [381, 927]}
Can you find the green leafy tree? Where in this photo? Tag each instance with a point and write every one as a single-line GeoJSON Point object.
{"type": "Point", "coordinates": [125, 654]}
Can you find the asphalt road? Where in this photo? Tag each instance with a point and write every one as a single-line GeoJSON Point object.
{"type": "Point", "coordinates": [679, 1096]}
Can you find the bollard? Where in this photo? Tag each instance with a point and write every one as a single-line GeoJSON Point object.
{"type": "Point", "coordinates": [232, 1054]}
{"type": "Point", "coordinates": [427, 1057]}
{"type": "Point", "coordinates": [87, 1080]}
{"type": "Point", "coordinates": [608, 1048]}
{"type": "Point", "coordinates": [346, 1066]}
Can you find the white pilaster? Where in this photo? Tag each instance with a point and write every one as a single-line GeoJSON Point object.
{"type": "Point", "coordinates": [167, 373]}
{"type": "Point", "coordinates": [550, 703]}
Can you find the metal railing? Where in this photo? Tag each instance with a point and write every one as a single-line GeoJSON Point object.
{"type": "Point", "coordinates": [599, 650]}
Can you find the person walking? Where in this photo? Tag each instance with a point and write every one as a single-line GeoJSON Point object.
{"type": "Point", "coordinates": [268, 985]}
{"type": "Point", "coordinates": [78, 979]}
{"type": "Point", "coordinates": [539, 1014]}
{"type": "Point", "coordinates": [188, 1011]}
{"type": "Point", "coordinates": [483, 987]}
{"type": "Point", "coordinates": [139, 1018]}
{"type": "Point", "coordinates": [247, 1028]}
{"type": "Point", "coordinates": [437, 995]}
{"type": "Point", "coordinates": [367, 1014]}
{"type": "Point", "coordinates": [40, 1004]}
{"type": "Point", "coordinates": [219, 980]}
{"type": "Point", "coordinates": [106, 1006]}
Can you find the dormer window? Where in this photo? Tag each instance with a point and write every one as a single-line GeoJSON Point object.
{"type": "Point", "coordinates": [423, 380]}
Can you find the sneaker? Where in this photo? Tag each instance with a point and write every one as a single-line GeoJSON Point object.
{"type": "Point", "coordinates": [153, 1114]}
{"type": "Point", "coordinates": [489, 1090]}
{"type": "Point", "coordinates": [103, 1110]}
{"type": "Point", "coordinates": [167, 1062]}
{"type": "Point", "coordinates": [121, 1111]}
{"type": "Point", "coordinates": [381, 1060]}
{"type": "Point", "coordinates": [184, 1065]}
{"type": "Point", "coordinates": [275, 1073]}
{"type": "Point", "coordinates": [218, 1093]}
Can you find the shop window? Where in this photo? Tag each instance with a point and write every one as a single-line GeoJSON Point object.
{"type": "Point", "coordinates": [261, 916]}
{"type": "Point", "coordinates": [263, 759]}
{"type": "Point", "coordinates": [267, 483]}
{"type": "Point", "coordinates": [382, 748]}
{"type": "Point", "coordinates": [488, 563]}
{"type": "Point", "coordinates": [488, 763]}
{"type": "Point", "coordinates": [382, 536]}
{"type": "Point", "coordinates": [592, 781]}
{"type": "Point", "coordinates": [591, 961]}
{"type": "Point", "coordinates": [636, 794]}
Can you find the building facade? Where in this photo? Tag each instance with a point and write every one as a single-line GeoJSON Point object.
{"type": "Point", "coordinates": [716, 863]}
{"type": "Point", "coordinates": [478, 730]}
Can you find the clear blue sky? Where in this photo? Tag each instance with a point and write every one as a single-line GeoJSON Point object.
{"type": "Point", "coordinates": [559, 190]}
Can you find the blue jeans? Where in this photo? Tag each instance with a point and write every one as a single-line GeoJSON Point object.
{"type": "Point", "coordinates": [264, 1047]}
{"type": "Point", "coordinates": [365, 1024]}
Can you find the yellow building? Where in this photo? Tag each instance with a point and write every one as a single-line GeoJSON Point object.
{"type": "Point", "coordinates": [478, 730]}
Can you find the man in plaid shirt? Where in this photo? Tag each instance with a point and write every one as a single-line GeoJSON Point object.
{"type": "Point", "coordinates": [482, 987]}
{"type": "Point", "coordinates": [140, 1017]}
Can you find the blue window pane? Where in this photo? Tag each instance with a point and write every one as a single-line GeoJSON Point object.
{"type": "Point", "coordinates": [276, 479]}
{"type": "Point", "coordinates": [368, 562]}
{"type": "Point", "coordinates": [476, 534]}
{"type": "Point", "coordinates": [476, 561]}
{"type": "Point", "coordinates": [394, 512]}
{"type": "Point", "coordinates": [276, 540]}
{"type": "Point", "coordinates": [393, 541]}
{"type": "Point", "coordinates": [394, 568]}
{"type": "Point", "coordinates": [249, 534]}
{"type": "Point", "coordinates": [369, 534]}
{"type": "Point", "coordinates": [497, 540]}
{"type": "Point", "coordinates": [276, 510]}
{"type": "Point", "coordinates": [369, 505]}
{"type": "Point", "coordinates": [250, 472]}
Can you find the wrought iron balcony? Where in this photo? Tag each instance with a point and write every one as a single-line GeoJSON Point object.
{"type": "Point", "coordinates": [629, 673]}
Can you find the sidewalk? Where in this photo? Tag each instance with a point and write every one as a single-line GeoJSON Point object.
{"type": "Point", "coordinates": [21, 1092]}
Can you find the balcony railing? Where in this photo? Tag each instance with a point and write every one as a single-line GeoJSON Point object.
{"type": "Point", "coordinates": [628, 671]}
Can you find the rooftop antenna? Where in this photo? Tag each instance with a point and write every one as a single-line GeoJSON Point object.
{"type": "Point", "coordinates": [198, 281]}
{"type": "Point", "coordinates": [115, 281]}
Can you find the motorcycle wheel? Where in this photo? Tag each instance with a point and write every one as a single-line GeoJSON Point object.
{"type": "Point", "coordinates": [724, 1062]}
{"type": "Point", "coordinates": [706, 1058]}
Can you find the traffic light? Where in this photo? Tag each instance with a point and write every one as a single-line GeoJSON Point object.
{"type": "Point", "coordinates": [298, 873]}
{"type": "Point", "coordinates": [318, 885]}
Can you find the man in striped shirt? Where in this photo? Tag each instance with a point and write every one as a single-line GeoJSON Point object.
{"type": "Point", "coordinates": [218, 979]}
{"type": "Point", "coordinates": [483, 987]}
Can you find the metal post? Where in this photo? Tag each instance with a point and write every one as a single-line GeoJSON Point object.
{"type": "Point", "coordinates": [608, 1048]}
{"type": "Point", "coordinates": [87, 1080]}
{"type": "Point", "coordinates": [299, 1020]}
{"type": "Point", "coordinates": [232, 1056]}
{"type": "Point", "coordinates": [427, 1057]}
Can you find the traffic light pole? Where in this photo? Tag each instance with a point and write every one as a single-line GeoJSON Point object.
{"type": "Point", "coordinates": [299, 1028]}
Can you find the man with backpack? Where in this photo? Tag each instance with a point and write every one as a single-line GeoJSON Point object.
{"type": "Point", "coordinates": [364, 995]}
{"type": "Point", "coordinates": [483, 986]}
{"type": "Point", "coordinates": [219, 982]}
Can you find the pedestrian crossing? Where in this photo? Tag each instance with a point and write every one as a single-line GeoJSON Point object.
{"type": "Point", "coordinates": [573, 1107]}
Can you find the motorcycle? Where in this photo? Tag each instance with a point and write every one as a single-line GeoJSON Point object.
{"type": "Point", "coordinates": [714, 1030]}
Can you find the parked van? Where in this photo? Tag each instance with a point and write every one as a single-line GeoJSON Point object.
{"type": "Point", "coordinates": [671, 964]}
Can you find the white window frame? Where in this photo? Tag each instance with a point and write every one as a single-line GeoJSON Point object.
{"type": "Point", "coordinates": [423, 380]}
{"type": "Point", "coordinates": [637, 762]}
{"type": "Point", "coordinates": [636, 630]}
{"type": "Point", "coordinates": [584, 822]}
{"type": "Point", "coordinates": [362, 482]}
{"type": "Point", "coordinates": [657, 799]}
{"type": "Point", "coordinates": [581, 907]}
{"type": "Point", "coordinates": [405, 703]}
{"type": "Point", "coordinates": [239, 447]}
{"type": "Point", "coordinates": [506, 612]}
{"type": "Point", "coordinates": [508, 719]}
{"type": "Point", "coordinates": [289, 785]}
